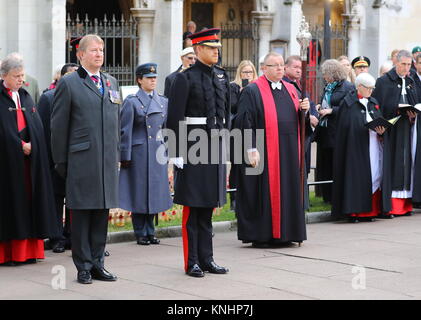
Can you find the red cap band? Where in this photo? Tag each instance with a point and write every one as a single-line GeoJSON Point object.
{"type": "Point", "coordinates": [198, 40]}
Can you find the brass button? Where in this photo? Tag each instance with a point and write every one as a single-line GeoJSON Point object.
{"type": "Point", "coordinates": [149, 127]}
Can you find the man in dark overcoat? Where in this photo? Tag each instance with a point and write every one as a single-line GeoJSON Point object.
{"type": "Point", "coordinates": [200, 97]}
{"type": "Point", "coordinates": [45, 107]}
{"type": "Point", "coordinates": [85, 140]}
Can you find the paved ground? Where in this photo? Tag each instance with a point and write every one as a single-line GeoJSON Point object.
{"type": "Point", "coordinates": [390, 251]}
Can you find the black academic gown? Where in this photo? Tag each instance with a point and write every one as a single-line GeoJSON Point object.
{"type": "Point", "coordinates": [253, 205]}
{"type": "Point", "coordinates": [352, 181]}
{"type": "Point", "coordinates": [397, 144]}
{"type": "Point", "coordinates": [23, 215]}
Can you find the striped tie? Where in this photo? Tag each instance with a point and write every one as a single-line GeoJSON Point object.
{"type": "Point", "coordinates": [97, 82]}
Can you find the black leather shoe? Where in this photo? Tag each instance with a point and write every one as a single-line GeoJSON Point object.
{"type": "Point", "coordinates": [154, 240]}
{"type": "Point", "coordinates": [106, 253]}
{"type": "Point", "coordinates": [257, 244]}
{"type": "Point", "coordinates": [195, 271]}
{"type": "Point", "coordinates": [84, 277]}
{"type": "Point", "coordinates": [143, 241]}
{"type": "Point", "coordinates": [212, 267]}
{"type": "Point", "coordinates": [59, 248]}
{"type": "Point", "coordinates": [102, 274]}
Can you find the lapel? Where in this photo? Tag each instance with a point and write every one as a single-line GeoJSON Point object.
{"type": "Point", "coordinates": [151, 105]}
{"type": "Point", "coordinates": [87, 81]}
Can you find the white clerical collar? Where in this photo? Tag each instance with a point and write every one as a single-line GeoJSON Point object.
{"type": "Point", "coordinates": [92, 74]}
{"type": "Point", "coordinates": [275, 85]}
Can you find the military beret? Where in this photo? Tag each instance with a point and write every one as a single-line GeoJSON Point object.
{"type": "Point", "coordinates": [416, 50]}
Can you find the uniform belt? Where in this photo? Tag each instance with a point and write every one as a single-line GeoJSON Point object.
{"type": "Point", "coordinates": [197, 120]}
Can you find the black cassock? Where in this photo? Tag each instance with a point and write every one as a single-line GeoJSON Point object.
{"type": "Point", "coordinates": [23, 215]}
{"type": "Point", "coordinates": [352, 180]}
{"type": "Point", "coordinates": [397, 141]}
{"type": "Point", "coordinates": [253, 203]}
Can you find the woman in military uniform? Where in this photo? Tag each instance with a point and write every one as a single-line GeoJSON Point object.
{"type": "Point", "coordinates": [144, 187]}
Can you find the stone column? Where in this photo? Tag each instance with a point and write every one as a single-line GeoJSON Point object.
{"type": "Point", "coordinates": [265, 20]}
{"type": "Point", "coordinates": [145, 16]}
{"type": "Point", "coordinates": [296, 15]}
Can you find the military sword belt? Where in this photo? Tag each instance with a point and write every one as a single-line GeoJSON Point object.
{"type": "Point", "coordinates": [198, 120]}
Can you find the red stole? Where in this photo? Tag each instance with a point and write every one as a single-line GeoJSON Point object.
{"type": "Point", "coordinates": [272, 147]}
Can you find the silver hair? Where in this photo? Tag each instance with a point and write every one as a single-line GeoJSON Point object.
{"type": "Point", "coordinates": [12, 62]}
{"type": "Point", "coordinates": [403, 54]}
{"type": "Point", "coordinates": [333, 69]}
{"type": "Point", "coordinates": [365, 79]}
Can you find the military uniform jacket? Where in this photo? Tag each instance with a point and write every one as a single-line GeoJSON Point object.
{"type": "Point", "coordinates": [144, 185]}
{"type": "Point", "coordinates": [85, 139]}
{"type": "Point", "coordinates": [200, 91]}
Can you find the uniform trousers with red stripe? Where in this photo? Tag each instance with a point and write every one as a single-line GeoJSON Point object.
{"type": "Point", "coordinates": [197, 236]}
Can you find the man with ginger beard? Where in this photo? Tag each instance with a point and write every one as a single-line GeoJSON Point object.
{"type": "Point", "coordinates": [200, 96]}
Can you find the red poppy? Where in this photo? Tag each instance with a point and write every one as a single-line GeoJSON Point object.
{"type": "Point", "coordinates": [377, 107]}
{"type": "Point", "coordinates": [108, 83]}
{"type": "Point", "coordinates": [34, 109]}
{"type": "Point", "coordinates": [27, 84]}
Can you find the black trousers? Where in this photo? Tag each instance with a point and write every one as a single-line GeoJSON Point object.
{"type": "Point", "coordinates": [64, 230]}
{"type": "Point", "coordinates": [89, 234]}
{"type": "Point", "coordinates": [197, 236]}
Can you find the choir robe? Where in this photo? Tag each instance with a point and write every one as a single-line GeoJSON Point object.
{"type": "Point", "coordinates": [256, 195]}
{"type": "Point", "coordinates": [358, 162]}
{"type": "Point", "coordinates": [400, 143]}
{"type": "Point", "coordinates": [27, 205]}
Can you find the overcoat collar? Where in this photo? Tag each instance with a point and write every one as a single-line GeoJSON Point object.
{"type": "Point", "coordinates": [152, 105]}
{"type": "Point", "coordinates": [90, 84]}
{"type": "Point", "coordinates": [352, 98]}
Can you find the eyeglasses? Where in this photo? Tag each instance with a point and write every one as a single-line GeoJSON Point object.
{"type": "Point", "coordinates": [369, 88]}
{"type": "Point", "coordinates": [191, 58]}
{"type": "Point", "coordinates": [275, 65]}
{"type": "Point", "coordinates": [247, 72]}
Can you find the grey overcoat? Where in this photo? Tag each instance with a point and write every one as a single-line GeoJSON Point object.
{"type": "Point", "coordinates": [144, 186]}
{"type": "Point", "coordinates": [85, 140]}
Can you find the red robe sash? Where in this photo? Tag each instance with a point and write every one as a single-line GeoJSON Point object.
{"type": "Point", "coordinates": [272, 135]}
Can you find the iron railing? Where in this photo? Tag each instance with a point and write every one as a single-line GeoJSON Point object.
{"type": "Point", "coordinates": [120, 43]}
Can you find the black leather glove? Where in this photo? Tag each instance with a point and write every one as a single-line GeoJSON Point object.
{"type": "Point", "coordinates": [61, 169]}
{"type": "Point", "coordinates": [125, 164]}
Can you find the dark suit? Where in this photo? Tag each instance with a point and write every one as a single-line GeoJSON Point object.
{"type": "Point", "coordinates": [85, 147]}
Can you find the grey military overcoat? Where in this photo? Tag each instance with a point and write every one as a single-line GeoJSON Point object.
{"type": "Point", "coordinates": [144, 186]}
{"type": "Point", "coordinates": [85, 138]}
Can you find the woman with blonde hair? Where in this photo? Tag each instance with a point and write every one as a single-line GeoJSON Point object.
{"type": "Point", "coordinates": [246, 73]}
{"type": "Point", "coordinates": [344, 61]}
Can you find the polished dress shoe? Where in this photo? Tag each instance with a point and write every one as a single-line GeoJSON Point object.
{"type": "Point", "coordinates": [212, 267]}
{"type": "Point", "coordinates": [195, 271]}
{"type": "Point", "coordinates": [59, 248]}
{"type": "Point", "coordinates": [153, 240]}
{"type": "Point", "coordinates": [143, 241]}
{"type": "Point", "coordinates": [102, 274]}
{"type": "Point", "coordinates": [84, 277]}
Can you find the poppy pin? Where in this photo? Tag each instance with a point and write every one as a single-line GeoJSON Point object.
{"type": "Point", "coordinates": [34, 109]}
{"type": "Point", "coordinates": [108, 83]}
{"type": "Point", "coordinates": [27, 84]}
{"type": "Point", "coordinates": [377, 107]}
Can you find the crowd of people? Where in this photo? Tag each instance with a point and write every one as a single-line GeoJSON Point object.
{"type": "Point", "coordinates": [80, 146]}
